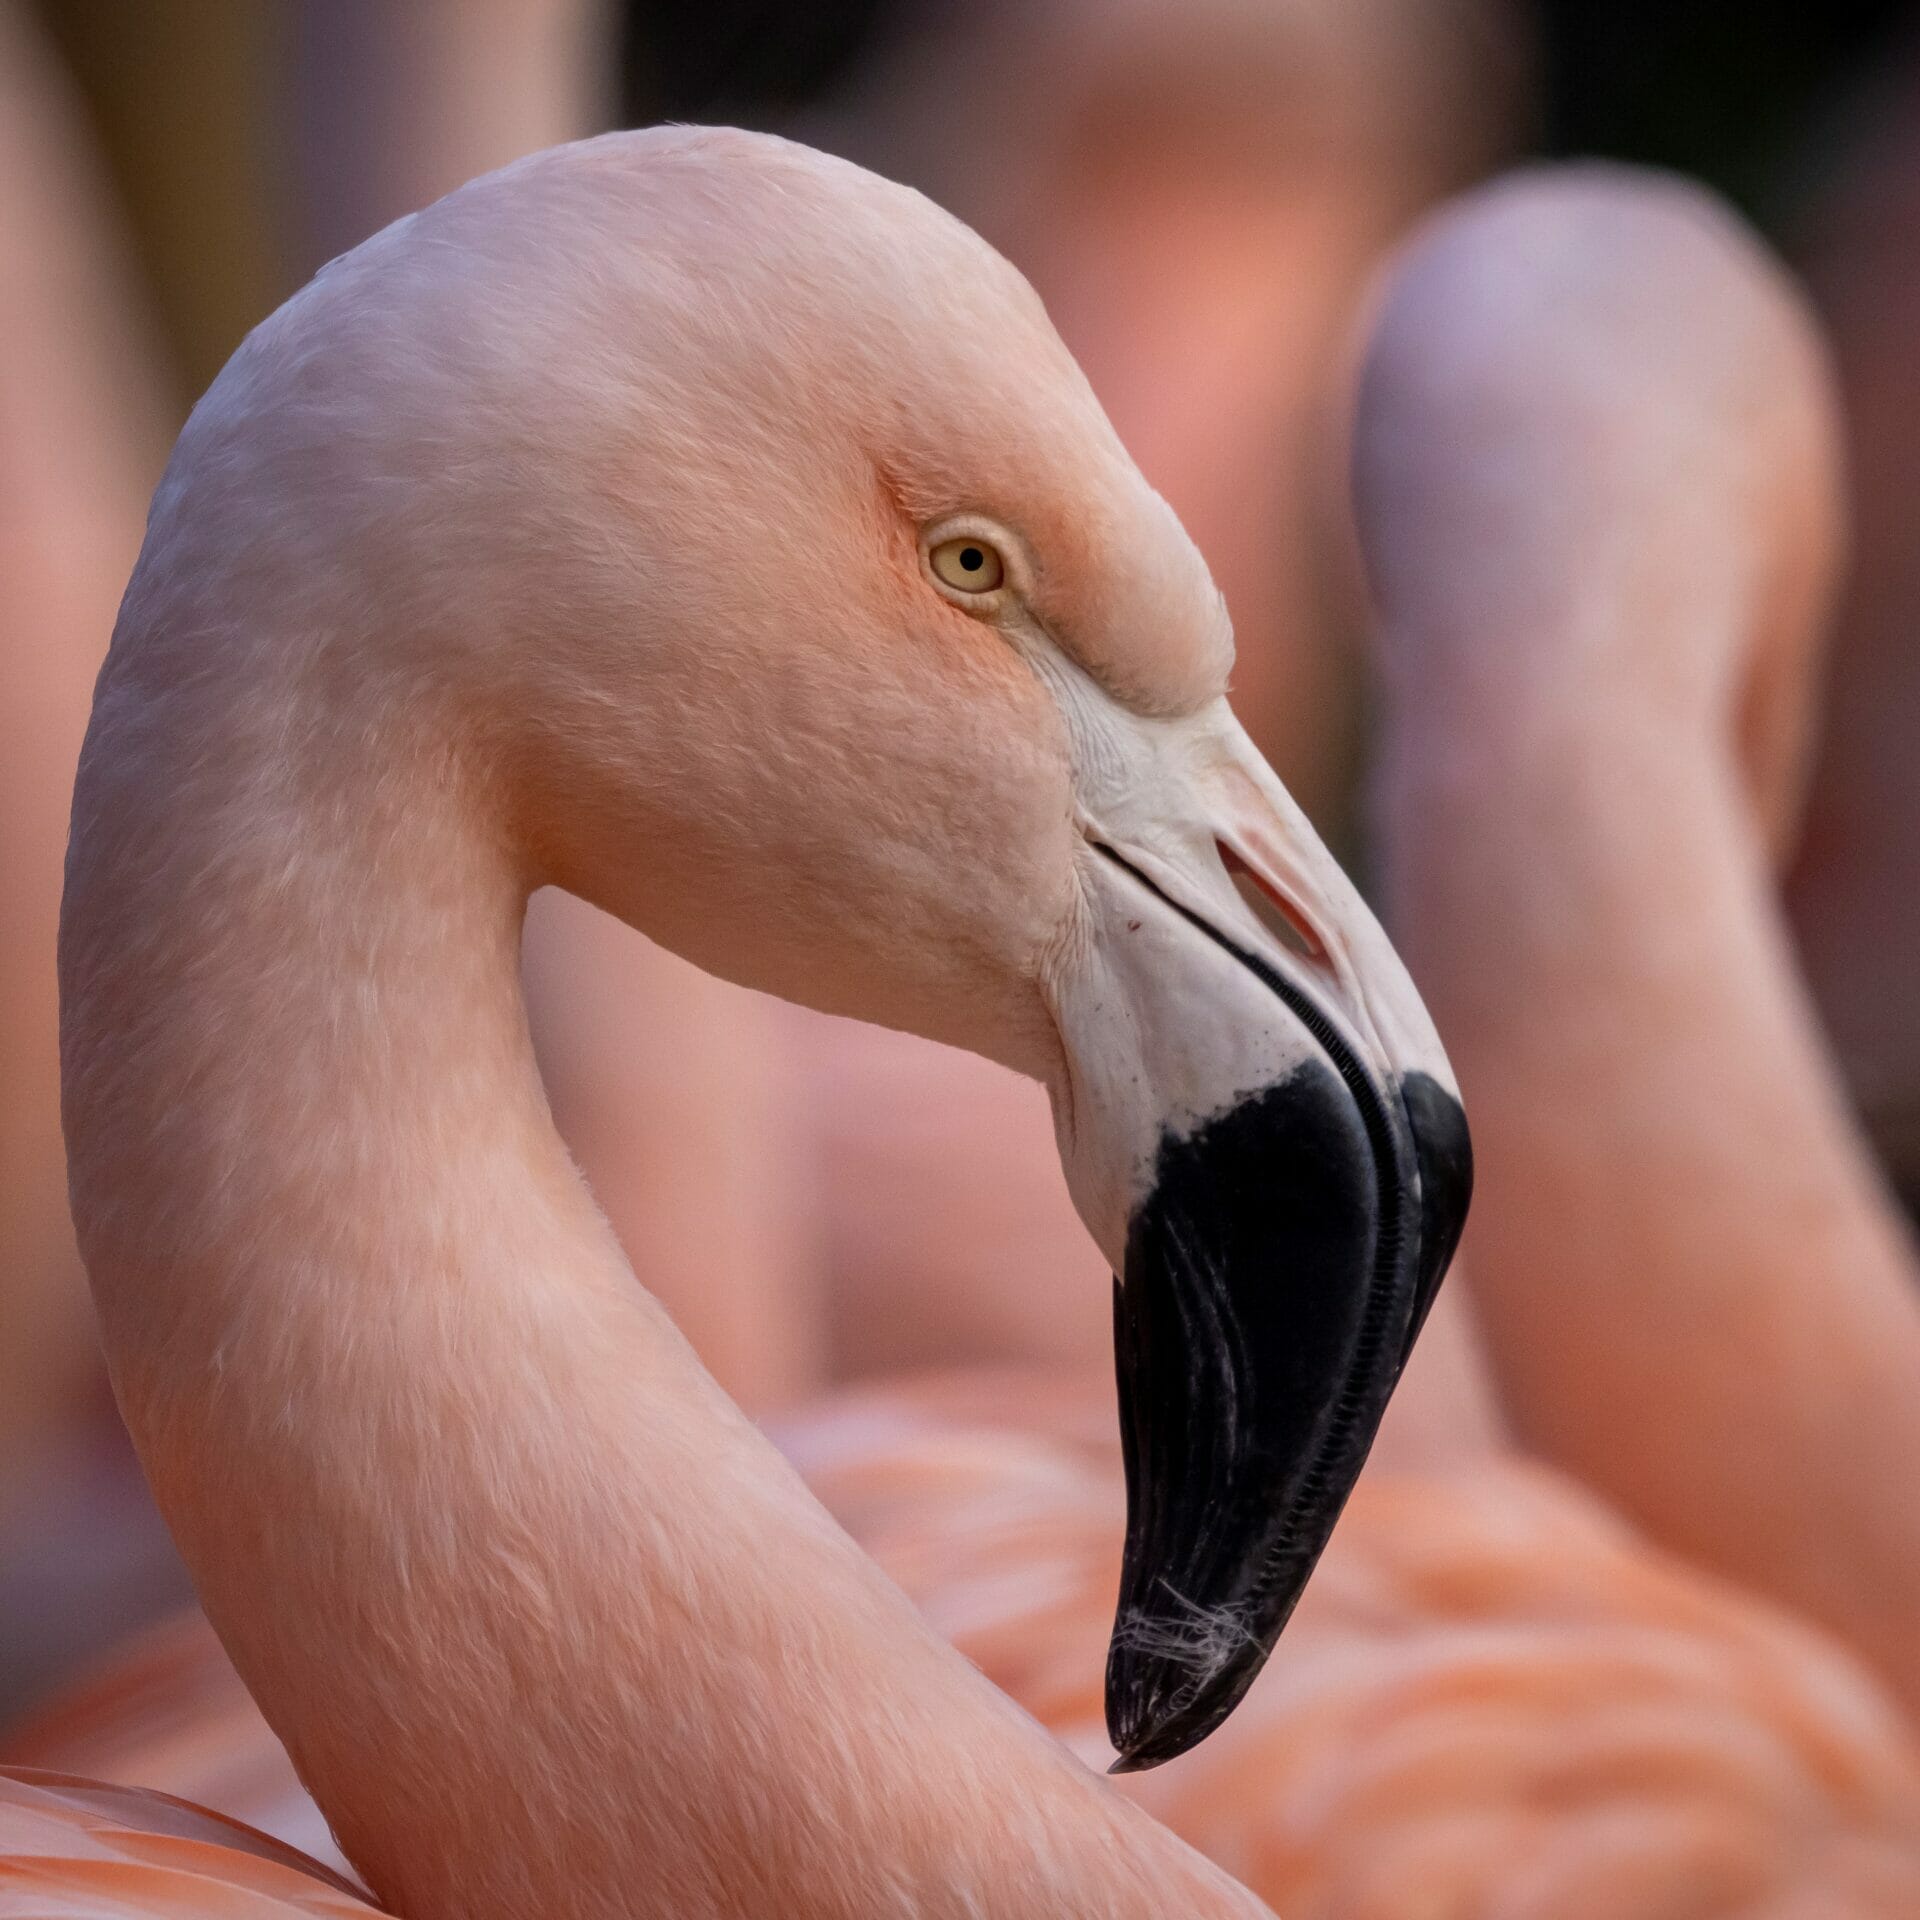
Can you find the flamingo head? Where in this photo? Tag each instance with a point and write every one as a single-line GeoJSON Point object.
{"type": "Point", "coordinates": [749, 527]}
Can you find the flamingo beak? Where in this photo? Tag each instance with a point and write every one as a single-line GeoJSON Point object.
{"type": "Point", "coordinates": [1265, 1134]}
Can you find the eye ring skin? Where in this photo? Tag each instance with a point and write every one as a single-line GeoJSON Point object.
{"type": "Point", "coordinates": [1015, 572]}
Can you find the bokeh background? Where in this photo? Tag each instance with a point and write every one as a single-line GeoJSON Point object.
{"type": "Point", "coordinates": [1204, 192]}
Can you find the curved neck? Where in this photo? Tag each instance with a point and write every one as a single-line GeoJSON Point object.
{"type": "Point", "coordinates": [545, 1624]}
{"type": "Point", "coordinates": [1696, 1294]}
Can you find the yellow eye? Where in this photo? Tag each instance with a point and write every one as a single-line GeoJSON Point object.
{"type": "Point", "coordinates": [968, 564]}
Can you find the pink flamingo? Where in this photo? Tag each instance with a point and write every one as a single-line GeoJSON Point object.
{"type": "Point", "coordinates": [1695, 1292]}
{"type": "Point", "coordinates": [81, 1557]}
{"type": "Point", "coordinates": [723, 534]}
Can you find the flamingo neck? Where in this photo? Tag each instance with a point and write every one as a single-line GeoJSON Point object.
{"type": "Point", "coordinates": [1674, 1216]}
{"type": "Point", "coordinates": [545, 1624]}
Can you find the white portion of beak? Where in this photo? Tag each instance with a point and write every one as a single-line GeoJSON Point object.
{"type": "Point", "coordinates": [1164, 1026]}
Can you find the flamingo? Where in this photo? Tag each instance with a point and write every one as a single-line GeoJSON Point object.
{"type": "Point", "coordinates": [1497, 1696]}
{"type": "Point", "coordinates": [80, 445]}
{"type": "Point", "coordinates": [74, 442]}
{"type": "Point", "coordinates": [722, 533]}
{"type": "Point", "coordinates": [1696, 1293]}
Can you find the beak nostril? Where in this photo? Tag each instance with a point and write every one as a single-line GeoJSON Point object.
{"type": "Point", "coordinates": [1274, 911]}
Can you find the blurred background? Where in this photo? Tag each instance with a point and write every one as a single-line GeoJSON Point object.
{"type": "Point", "coordinates": [1203, 191]}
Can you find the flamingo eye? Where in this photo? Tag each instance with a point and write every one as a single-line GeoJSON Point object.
{"type": "Point", "coordinates": [968, 564]}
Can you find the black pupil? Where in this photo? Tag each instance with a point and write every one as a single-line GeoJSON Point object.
{"type": "Point", "coordinates": [972, 559]}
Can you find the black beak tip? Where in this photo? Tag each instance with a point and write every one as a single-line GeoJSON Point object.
{"type": "Point", "coordinates": [1156, 1711]}
{"type": "Point", "coordinates": [1249, 1372]}
{"type": "Point", "coordinates": [1266, 1315]}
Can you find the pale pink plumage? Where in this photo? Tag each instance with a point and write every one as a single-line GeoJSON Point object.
{"type": "Point", "coordinates": [629, 452]}
{"type": "Point", "coordinates": [82, 1851]}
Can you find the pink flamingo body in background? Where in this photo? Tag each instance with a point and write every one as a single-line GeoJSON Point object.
{"type": "Point", "coordinates": [1680, 1218]}
{"type": "Point", "coordinates": [83, 1558]}
{"type": "Point", "coordinates": [1495, 1698]}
